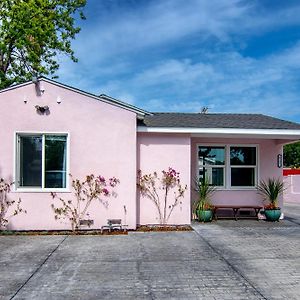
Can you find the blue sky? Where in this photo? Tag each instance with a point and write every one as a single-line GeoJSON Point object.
{"type": "Point", "coordinates": [180, 55]}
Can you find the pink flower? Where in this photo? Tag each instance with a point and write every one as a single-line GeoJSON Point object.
{"type": "Point", "coordinates": [101, 178]}
{"type": "Point", "coordinates": [113, 181]}
{"type": "Point", "coordinates": [105, 192]}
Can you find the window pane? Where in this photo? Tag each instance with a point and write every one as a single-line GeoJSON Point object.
{"type": "Point", "coordinates": [211, 155]}
{"type": "Point", "coordinates": [242, 176]}
{"type": "Point", "coordinates": [243, 156]}
{"type": "Point", "coordinates": [30, 161]}
{"type": "Point", "coordinates": [55, 164]}
{"type": "Point", "coordinates": [214, 175]}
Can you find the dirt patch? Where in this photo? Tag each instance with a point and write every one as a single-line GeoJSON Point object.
{"type": "Point", "coordinates": [61, 232]}
{"type": "Point", "coordinates": [159, 228]}
{"type": "Point", "coordinates": [144, 228]}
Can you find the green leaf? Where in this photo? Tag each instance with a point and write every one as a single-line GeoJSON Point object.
{"type": "Point", "coordinates": [32, 32]}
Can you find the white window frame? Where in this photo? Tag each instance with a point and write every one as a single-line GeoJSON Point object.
{"type": "Point", "coordinates": [255, 167]}
{"type": "Point", "coordinates": [214, 166]}
{"type": "Point", "coordinates": [16, 175]}
{"type": "Point", "coordinates": [227, 175]}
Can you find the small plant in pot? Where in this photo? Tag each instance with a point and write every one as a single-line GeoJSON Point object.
{"type": "Point", "coordinates": [203, 207]}
{"type": "Point", "coordinates": [271, 189]}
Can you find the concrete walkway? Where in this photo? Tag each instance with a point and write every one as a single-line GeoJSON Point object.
{"type": "Point", "coordinates": [221, 260]}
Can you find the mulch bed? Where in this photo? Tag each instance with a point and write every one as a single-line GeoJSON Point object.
{"type": "Point", "coordinates": [144, 228]}
{"type": "Point", "coordinates": [159, 228]}
{"type": "Point", "coordinates": [61, 232]}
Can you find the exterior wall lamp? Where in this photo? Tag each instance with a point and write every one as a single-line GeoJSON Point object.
{"type": "Point", "coordinates": [42, 109]}
{"type": "Point", "coordinates": [279, 160]}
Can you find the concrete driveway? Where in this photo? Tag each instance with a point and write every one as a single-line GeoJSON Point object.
{"type": "Point", "coordinates": [222, 260]}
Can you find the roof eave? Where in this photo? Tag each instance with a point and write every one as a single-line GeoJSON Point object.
{"type": "Point", "coordinates": [226, 132]}
{"type": "Point", "coordinates": [107, 99]}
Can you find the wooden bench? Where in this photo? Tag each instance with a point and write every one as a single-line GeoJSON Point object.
{"type": "Point", "coordinates": [236, 209]}
{"type": "Point", "coordinates": [114, 224]}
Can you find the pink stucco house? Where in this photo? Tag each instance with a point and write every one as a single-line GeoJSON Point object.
{"type": "Point", "coordinates": [101, 135]}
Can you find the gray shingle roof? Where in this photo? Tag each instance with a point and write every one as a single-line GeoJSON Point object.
{"type": "Point", "coordinates": [198, 120]}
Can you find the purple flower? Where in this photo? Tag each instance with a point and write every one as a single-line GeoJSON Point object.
{"type": "Point", "coordinates": [105, 192]}
{"type": "Point", "coordinates": [113, 181]}
{"type": "Point", "coordinates": [101, 178]}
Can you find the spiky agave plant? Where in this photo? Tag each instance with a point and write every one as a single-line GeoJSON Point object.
{"type": "Point", "coordinates": [205, 191]}
{"type": "Point", "coordinates": [270, 190]}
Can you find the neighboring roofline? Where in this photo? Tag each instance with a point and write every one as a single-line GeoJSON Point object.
{"type": "Point", "coordinates": [107, 99]}
{"type": "Point", "coordinates": [275, 133]}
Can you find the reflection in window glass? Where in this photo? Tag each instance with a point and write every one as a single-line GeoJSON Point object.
{"type": "Point", "coordinates": [214, 175]}
{"type": "Point", "coordinates": [31, 161]}
{"type": "Point", "coordinates": [242, 176]}
{"type": "Point", "coordinates": [42, 161]}
{"type": "Point", "coordinates": [55, 161]}
{"type": "Point", "coordinates": [243, 156]}
{"type": "Point", "coordinates": [211, 155]}
{"type": "Point", "coordinates": [211, 162]}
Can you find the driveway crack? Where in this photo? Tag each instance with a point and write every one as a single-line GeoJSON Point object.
{"type": "Point", "coordinates": [230, 265]}
{"type": "Point", "coordinates": [38, 268]}
{"type": "Point", "coordinates": [141, 274]}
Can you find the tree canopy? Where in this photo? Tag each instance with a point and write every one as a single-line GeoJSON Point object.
{"type": "Point", "coordinates": [32, 33]}
{"type": "Point", "coordinates": [291, 155]}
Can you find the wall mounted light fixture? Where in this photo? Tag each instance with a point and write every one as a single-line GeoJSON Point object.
{"type": "Point", "coordinates": [279, 160]}
{"type": "Point", "coordinates": [42, 109]}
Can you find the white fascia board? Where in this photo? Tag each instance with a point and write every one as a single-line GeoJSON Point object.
{"type": "Point", "coordinates": [140, 112]}
{"type": "Point", "coordinates": [284, 133]}
{"type": "Point", "coordinates": [116, 102]}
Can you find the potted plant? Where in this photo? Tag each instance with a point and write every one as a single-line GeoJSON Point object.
{"type": "Point", "coordinates": [270, 190]}
{"type": "Point", "coordinates": [203, 207]}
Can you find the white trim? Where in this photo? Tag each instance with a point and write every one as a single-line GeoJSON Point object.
{"type": "Point", "coordinates": [43, 161]}
{"type": "Point", "coordinates": [41, 190]}
{"type": "Point", "coordinates": [16, 163]}
{"type": "Point", "coordinates": [288, 133]}
{"type": "Point", "coordinates": [227, 167]}
{"type": "Point", "coordinates": [107, 99]}
{"type": "Point", "coordinates": [213, 166]}
{"type": "Point", "coordinates": [256, 146]}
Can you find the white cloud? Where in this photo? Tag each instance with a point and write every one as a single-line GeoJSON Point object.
{"type": "Point", "coordinates": [227, 82]}
{"type": "Point", "coordinates": [125, 31]}
{"type": "Point", "coordinates": [125, 53]}
{"type": "Point", "coordinates": [160, 23]}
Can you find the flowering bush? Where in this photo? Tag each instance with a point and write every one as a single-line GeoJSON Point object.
{"type": "Point", "coordinates": [150, 185]}
{"type": "Point", "coordinates": [85, 192]}
{"type": "Point", "coordinates": [5, 204]}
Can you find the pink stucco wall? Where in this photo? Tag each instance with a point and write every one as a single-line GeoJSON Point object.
{"type": "Point", "coordinates": [157, 152]}
{"type": "Point", "coordinates": [267, 167]}
{"type": "Point", "coordinates": [102, 141]}
{"type": "Point", "coordinates": [292, 188]}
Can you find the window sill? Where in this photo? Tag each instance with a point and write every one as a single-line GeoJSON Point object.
{"type": "Point", "coordinates": [247, 188]}
{"type": "Point", "coordinates": [40, 190]}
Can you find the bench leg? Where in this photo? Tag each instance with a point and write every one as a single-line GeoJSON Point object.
{"type": "Point", "coordinates": [235, 211]}
{"type": "Point", "coordinates": [215, 214]}
{"type": "Point", "coordinates": [256, 213]}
